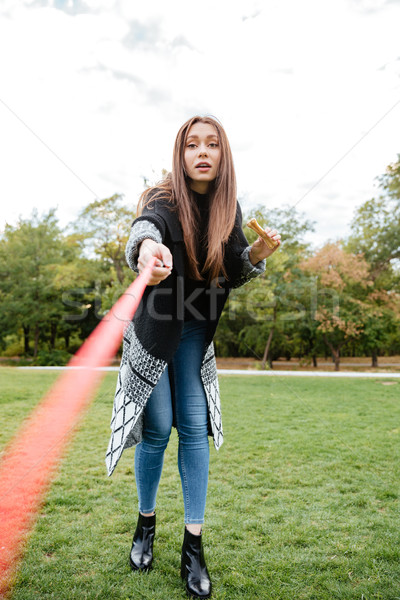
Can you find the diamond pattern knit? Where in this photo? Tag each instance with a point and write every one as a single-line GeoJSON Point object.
{"type": "Point", "coordinates": [138, 375]}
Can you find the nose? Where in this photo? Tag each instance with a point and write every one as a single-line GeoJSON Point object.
{"type": "Point", "coordinates": [202, 150]}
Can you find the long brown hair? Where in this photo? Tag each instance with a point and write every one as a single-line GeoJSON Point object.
{"type": "Point", "coordinates": [222, 202]}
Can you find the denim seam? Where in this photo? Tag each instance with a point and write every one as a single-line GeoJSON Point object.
{"type": "Point", "coordinates": [139, 482]}
{"type": "Point", "coordinates": [183, 470]}
{"type": "Point", "coordinates": [186, 489]}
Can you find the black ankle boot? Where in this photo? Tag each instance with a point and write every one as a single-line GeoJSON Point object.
{"type": "Point", "coordinates": [193, 567]}
{"type": "Point", "coordinates": [141, 556]}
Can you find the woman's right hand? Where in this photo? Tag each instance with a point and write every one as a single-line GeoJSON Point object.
{"type": "Point", "coordinates": [163, 266]}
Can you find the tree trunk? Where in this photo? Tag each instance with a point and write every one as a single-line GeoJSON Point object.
{"type": "Point", "coordinates": [36, 346]}
{"type": "Point", "coordinates": [67, 335]}
{"type": "Point", "coordinates": [267, 347]}
{"type": "Point", "coordinates": [266, 351]}
{"type": "Point", "coordinates": [374, 357]}
{"type": "Point", "coordinates": [118, 270]}
{"type": "Point", "coordinates": [335, 353]}
{"type": "Point", "coordinates": [314, 361]}
{"type": "Point", "coordinates": [337, 360]}
{"type": "Point", "coordinates": [53, 334]}
{"type": "Point", "coordinates": [26, 329]}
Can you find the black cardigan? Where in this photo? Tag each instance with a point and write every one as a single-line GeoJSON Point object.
{"type": "Point", "coordinates": [159, 319]}
{"type": "Point", "coordinates": [151, 339]}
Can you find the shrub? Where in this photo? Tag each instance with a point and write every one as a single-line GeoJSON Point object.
{"type": "Point", "coordinates": [15, 348]}
{"type": "Point", "coordinates": [52, 358]}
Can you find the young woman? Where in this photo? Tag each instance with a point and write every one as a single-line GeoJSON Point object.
{"type": "Point", "coordinates": [192, 223]}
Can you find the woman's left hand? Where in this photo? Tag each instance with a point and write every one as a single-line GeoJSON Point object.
{"type": "Point", "coordinates": [259, 250]}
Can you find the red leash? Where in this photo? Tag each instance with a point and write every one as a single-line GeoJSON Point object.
{"type": "Point", "coordinates": [32, 456]}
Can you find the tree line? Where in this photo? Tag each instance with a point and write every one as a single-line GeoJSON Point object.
{"type": "Point", "coordinates": [342, 299]}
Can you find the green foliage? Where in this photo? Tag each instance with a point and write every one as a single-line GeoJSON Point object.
{"type": "Point", "coordinates": [56, 285]}
{"type": "Point", "coordinates": [30, 254]}
{"type": "Point", "coordinates": [390, 181]}
{"type": "Point", "coordinates": [269, 303]}
{"type": "Point", "coordinates": [52, 358]}
{"type": "Point", "coordinates": [103, 229]}
{"type": "Point", "coordinates": [376, 226]}
{"type": "Point", "coordinates": [376, 233]}
{"type": "Point", "coordinates": [37, 265]}
{"type": "Point", "coordinates": [291, 224]}
{"type": "Point", "coordinates": [14, 346]}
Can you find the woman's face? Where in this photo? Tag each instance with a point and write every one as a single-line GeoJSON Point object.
{"type": "Point", "coordinates": [202, 155]}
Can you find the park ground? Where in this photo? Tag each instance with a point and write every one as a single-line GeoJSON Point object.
{"type": "Point", "coordinates": [303, 497]}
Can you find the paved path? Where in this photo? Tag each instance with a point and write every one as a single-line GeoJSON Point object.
{"type": "Point", "coordinates": [270, 373]}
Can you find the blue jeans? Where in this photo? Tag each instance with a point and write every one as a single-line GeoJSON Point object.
{"type": "Point", "coordinates": [191, 416]}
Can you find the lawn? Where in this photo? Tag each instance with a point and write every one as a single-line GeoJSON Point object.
{"type": "Point", "coordinates": [303, 497]}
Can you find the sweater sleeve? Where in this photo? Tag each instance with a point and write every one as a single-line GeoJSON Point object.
{"type": "Point", "coordinates": [150, 225]}
{"type": "Point", "coordinates": [142, 229]}
{"type": "Point", "coordinates": [247, 270]}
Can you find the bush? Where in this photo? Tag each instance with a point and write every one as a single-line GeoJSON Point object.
{"type": "Point", "coordinates": [52, 358]}
{"type": "Point", "coordinates": [15, 348]}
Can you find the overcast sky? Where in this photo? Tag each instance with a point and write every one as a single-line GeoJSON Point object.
{"type": "Point", "coordinates": [93, 92]}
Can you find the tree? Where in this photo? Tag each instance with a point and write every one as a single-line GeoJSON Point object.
{"type": "Point", "coordinates": [376, 225]}
{"type": "Point", "coordinates": [255, 313]}
{"type": "Point", "coordinates": [390, 181]}
{"type": "Point", "coordinates": [37, 264]}
{"type": "Point", "coordinates": [103, 229]}
{"type": "Point", "coordinates": [282, 313]}
{"type": "Point", "coordinates": [78, 283]}
{"type": "Point", "coordinates": [29, 254]}
{"type": "Point", "coordinates": [376, 233]}
{"type": "Point", "coordinates": [381, 320]}
{"type": "Point", "coordinates": [343, 284]}
{"type": "Point", "coordinates": [306, 339]}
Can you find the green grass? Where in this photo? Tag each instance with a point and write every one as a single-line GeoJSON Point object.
{"type": "Point", "coordinates": [20, 392]}
{"type": "Point", "coordinates": [303, 498]}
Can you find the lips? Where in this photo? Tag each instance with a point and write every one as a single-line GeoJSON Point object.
{"type": "Point", "coordinates": [203, 165]}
